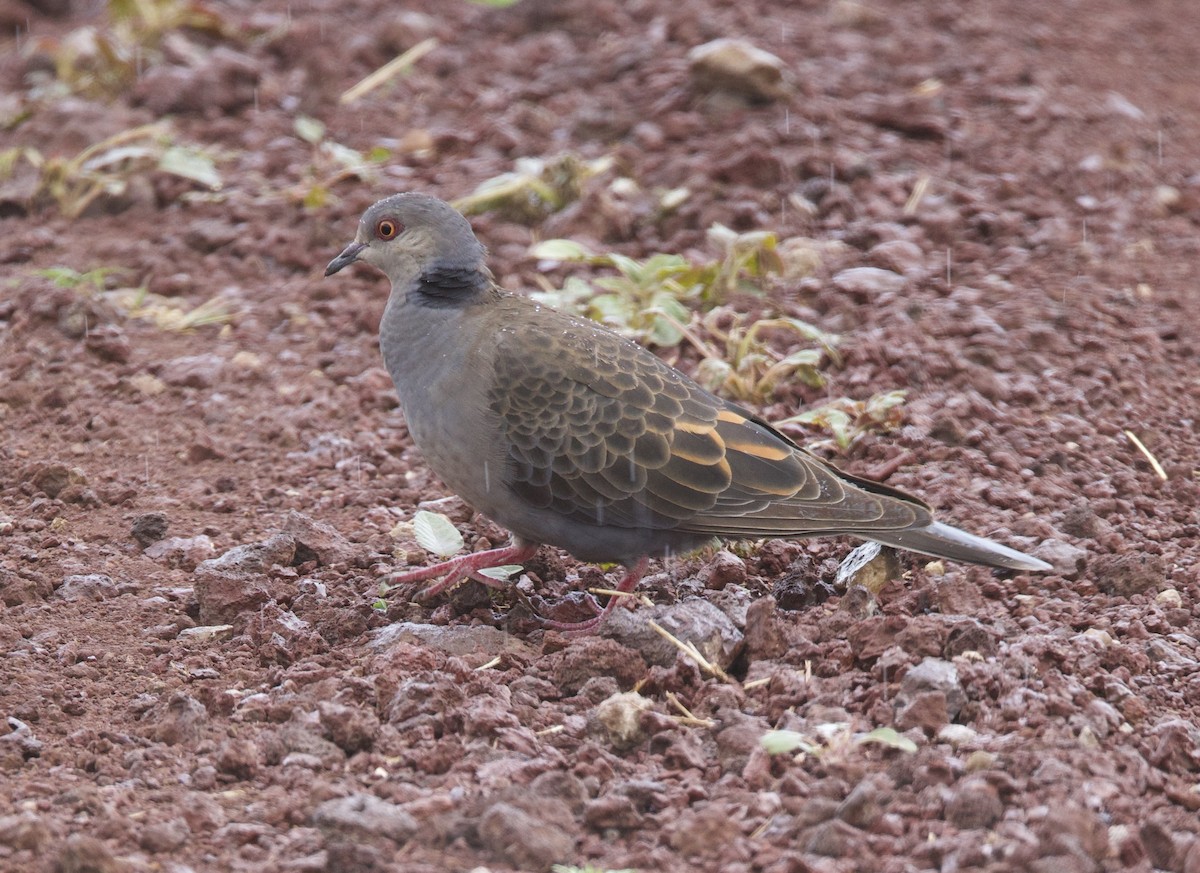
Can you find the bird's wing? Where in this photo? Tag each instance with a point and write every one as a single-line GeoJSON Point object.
{"type": "Point", "coordinates": [601, 431]}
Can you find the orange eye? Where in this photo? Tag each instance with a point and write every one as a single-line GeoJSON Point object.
{"type": "Point", "coordinates": [388, 228]}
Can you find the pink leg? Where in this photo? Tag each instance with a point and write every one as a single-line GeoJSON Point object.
{"type": "Point", "coordinates": [457, 570]}
{"type": "Point", "coordinates": [633, 575]}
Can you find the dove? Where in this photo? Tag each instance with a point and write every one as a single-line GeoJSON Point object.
{"type": "Point", "coordinates": [570, 435]}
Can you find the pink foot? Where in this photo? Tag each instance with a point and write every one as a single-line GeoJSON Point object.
{"type": "Point", "coordinates": [458, 569]}
{"type": "Point", "coordinates": [633, 575]}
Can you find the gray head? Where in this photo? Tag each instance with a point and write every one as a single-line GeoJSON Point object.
{"type": "Point", "coordinates": [408, 236]}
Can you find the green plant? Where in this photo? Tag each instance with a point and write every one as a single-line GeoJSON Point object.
{"type": "Point", "coordinates": [106, 168]}
{"type": "Point", "coordinates": [95, 60]}
{"type": "Point", "coordinates": [849, 420]}
{"type": "Point", "coordinates": [535, 189]}
{"type": "Point", "coordinates": [652, 300]}
{"type": "Point", "coordinates": [750, 369]}
{"type": "Point", "coordinates": [332, 163]}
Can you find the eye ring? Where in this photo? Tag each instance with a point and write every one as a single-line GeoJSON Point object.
{"type": "Point", "coordinates": [388, 228]}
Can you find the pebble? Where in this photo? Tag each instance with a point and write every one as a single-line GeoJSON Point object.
{"type": "Point", "coordinates": [693, 620]}
{"type": "Point", "coordinates": [739, 67]}
{"type": "Point", "coordinates": [90, 586]}
{"type": "Point", "coordinates": [192, 371]}
{"type": "Point", "coordinates": [523, 840]}
{"type": "Point", "coordinates": [865, 284]}
{"type": "Point", "coordinates": [620, 719]}
{"type": "Point", "coordinates": [365, 815]}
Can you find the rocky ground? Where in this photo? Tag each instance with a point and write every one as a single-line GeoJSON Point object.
{"type": "Point", "coordinates": [204, 476]}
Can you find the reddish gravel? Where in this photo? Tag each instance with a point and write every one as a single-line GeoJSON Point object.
{"type": "Point", "coordinates": [193, 525]}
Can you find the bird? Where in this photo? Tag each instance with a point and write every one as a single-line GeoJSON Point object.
{"type": "Point", "coordinates": [570, 435]}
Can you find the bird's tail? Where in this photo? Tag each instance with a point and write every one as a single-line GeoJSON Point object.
{"type": "Point", "coordinates": [943, 541]}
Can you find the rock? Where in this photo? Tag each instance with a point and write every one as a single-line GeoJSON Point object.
{"type": "Point", "coordinates": [693, 620]}
{"type": "Point", "coordinates": [149, 528]}
{"type": "Point", "coordinates": [620, 719]}
{"type": "Point", "coordinates": [1128, 574]}
{"type": "Point", "coordinates": [738, 67]}
{"type": "Point", "coordinates": [223, 82]}
{"type": "Point", "coordinates": [235, 582]}
{"type": "Point", "coordinates": [24, 831]}
{"type": "Point", "coordinates": [898, 256]}
{"type": "Point", "coordinates": [926, 710]}
{"type": "Point", "coordinates": [192, 371]}
{"type": "Point", "coordinates": [207, 632]}
{"type": "Point", "coordinates": [164, 836]}
{"type": "Point", "coordinates": [865, 284]}
{"type": "Point", "coordinates": [957, 735]}
{"type": "Point", "coordinates": [870, 565]}
{"type": "Point", "coordinates": [90, 586]}
{"type": "Point", "coordinates": [1066, 559]}
{"type": "Point", "coordinates": [325, 544]}
{"type": "Point", "coordinates": [703, 831]}
{"type": "Point", "coordinates": [365, 815]}
{"type": "Point", "coordinates": [864, 805]}
{"type": "Point", "coordinates": [16, 589]}
{"type": "Point", "coordinates": [180, 721]}
{"type": "Point", "coordinates": [239, 758]}
{"type": "Point", "coordinates": [933, 674]}
{"type": "Point", "coordinates": [83, 854]}
{"type": "Point", "coordinates": [765, 637]}
{"type": "Point", "coordinates": [183, 553]}
{"type": "Point", "coordinates": [457, 640]}
{"type": "Point", "coordinates": [974, 804]}
{"type": "Point", "coordinates": [282, 637]}
{"type": "Point", "coordinates": [523, 840]}
{"type": "Point", "coordinates": [352, 729]}
{"type": "Point", "coordinates": [724, 569]}
{"type": "Point", "coordinates": [53, 479]}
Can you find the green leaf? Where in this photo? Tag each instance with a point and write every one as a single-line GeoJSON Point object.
{"type": "Point", "coordinates": [787, 742]}
{"type": "Point", "coordinates": [436, 533]}
{"type": "Point", "coordinates": [890, 737]}
{"type": "Point", "coordinates": [190, 164]}
{"type": "Point", "coordinates": [309, 129]}
{"type": "Point", "coordinates": [561, 250]}
{"type": "Point", "coordinates": [502, 573]}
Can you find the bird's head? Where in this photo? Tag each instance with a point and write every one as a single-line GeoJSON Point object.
{"type": "Point", "coordinates": [408, 236]}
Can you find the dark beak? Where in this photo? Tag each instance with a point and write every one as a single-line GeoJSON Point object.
{"type": "Point", "coordinates": [348, 256]}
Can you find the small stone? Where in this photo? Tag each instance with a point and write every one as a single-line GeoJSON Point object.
{"type": "Point", "coordinates": [149, 528]}
{"type": "Point", "coordinates": [957, 734]}
{"type": "Point", "coordinates": [898, 256]}
{"type": "Point", "coordinates": [620, 718]}
{"type": "Point", "coordinates": [365, 815]}
{"type": "Point", "coordinates": [184, 553]}
{"type": "Point", "coordinates": [724, 569]}
{"type": "Point", "coordinates": [933, 674]}
{"type": "Point", "coordinates": [693, 620]}
{"type": "Point", "coordinates": [870, 565]}
{"type": "Point", "coordinates": [975, 804]}
{"type": "Point", "coordinates": [90, 586]}
{"type": "Point", "coordinates": [523, 840]}
{"type": "Point", "coordinates": [1170, 599]}
{"type": "Point", "coordinates": [24, 832]}
{"type": "Point", "coordinates": [926, 710]}
{"type": "Point", "coordinates": [738, 67]}
{"type": "Point", "coordinates": [52, 479]}
{"type": "Point", "coordinates": [1066, 559]}
{"type": "Point", "coordinates": [322, 541]}
{"type": "Point", "coordinates": [192, 371]}
{"type": "Point", "coordinates": [865, 284]}
{"type": "Point", "coordinates": [207, 632]}
{"type": "Point", "coordinates": [84, 854]}
{"type": "Point", "coordinates": [1128, 574]}
{"type": "Point", "coordinates": [164, 836]}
